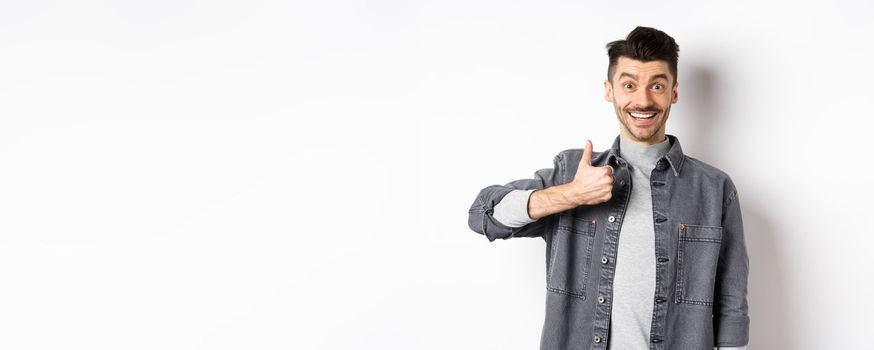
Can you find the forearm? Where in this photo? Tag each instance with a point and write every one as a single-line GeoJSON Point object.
{"type": "Point", "coordinates": [551, 200]}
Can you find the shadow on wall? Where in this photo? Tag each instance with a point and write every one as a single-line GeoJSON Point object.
{"type": "Point", "coordinates": [770, 315]}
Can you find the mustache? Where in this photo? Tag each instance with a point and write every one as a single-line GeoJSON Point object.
{"type": "Point", "coordinates": [643, 110]}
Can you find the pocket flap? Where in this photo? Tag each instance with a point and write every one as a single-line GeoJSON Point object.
{"type": "Point", "coordinates": [700, 233]}
{"type": "Point", "coordinates": [584, 226]}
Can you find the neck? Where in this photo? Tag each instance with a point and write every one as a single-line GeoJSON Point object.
{"type": "Point", "coordinates": [657, 138]}
{"type": "Point", "coordinates": [643, 155]}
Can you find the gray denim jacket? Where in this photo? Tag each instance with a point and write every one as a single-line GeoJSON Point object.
{"type": "Point", "coordinates": [702, 266]}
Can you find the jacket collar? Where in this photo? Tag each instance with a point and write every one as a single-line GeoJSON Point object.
{"type": "Point", "coordinates": [674, 156]}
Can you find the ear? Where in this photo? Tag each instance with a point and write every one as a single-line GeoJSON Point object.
{"type": "Point", "coordinates": [674, 95]}
{"type": "Point", "coordinates": [608, 91]}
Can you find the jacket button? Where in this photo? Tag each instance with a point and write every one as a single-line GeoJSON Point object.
{"type": "Point", "coordinates": [663, 259]}
{"type": "Point", "coordinates": [601, 300]}
{"type": "Point", "coordinates": [660, 300]}
{"type": "Point", "coordinates": [622, 183]}
{"type": "Point", "coordinates": [661, 219]}
{"type": "Point", "coordinates": [597, 339]}
{"type": "Point", "coordinates": [604, 260]}
{"type": "Point", "coordinates": [656, 183]}
{"type": "Point", "coordinates": [611, 218]}
{"type": "Point", "coordinates": [656, 340]}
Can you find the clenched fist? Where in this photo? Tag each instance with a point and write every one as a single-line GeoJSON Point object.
{"type": "Point", "coordinates": [591, 184]}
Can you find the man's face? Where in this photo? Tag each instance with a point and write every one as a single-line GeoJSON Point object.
{"type": "Point", "coordinates": [642, 94]}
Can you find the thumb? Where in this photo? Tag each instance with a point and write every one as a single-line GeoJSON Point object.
{"type": "Point", "coordinates": [587, 153]}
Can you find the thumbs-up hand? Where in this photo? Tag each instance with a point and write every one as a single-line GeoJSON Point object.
{"type": "Point", "coordinates": [591, 185]}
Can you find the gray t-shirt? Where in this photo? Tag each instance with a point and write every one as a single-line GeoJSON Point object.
{"type": "Point", "coordinates": [634, 282]}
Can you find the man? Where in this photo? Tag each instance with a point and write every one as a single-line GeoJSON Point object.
{"type": "Point", "coordinates": [645, 245]}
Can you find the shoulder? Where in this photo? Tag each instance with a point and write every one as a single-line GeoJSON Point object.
{"type": "Point", "coordinates": [710, 173]}
{"type": "Point", "coordinates": [703, 168]}
{"type": "Point", "coordinates": [573, 156]}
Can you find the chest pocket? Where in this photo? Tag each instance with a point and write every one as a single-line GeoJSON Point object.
{"type": "Point", "coordinates": [571, 256]}
{"type": "Point", "coordinates": [697, 257]}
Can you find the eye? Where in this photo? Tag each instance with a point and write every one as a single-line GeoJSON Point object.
{"type": "Point", "coordinates": [657, 86]}
{"type": "Point", "coordinates": [628, 85]}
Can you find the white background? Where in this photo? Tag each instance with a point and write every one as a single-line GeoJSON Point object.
{"type": "Point", "coordinates": [296, 175]}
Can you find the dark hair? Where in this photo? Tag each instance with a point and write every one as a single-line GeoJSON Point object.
{"type": "Point", "coordinates": [644, 44]}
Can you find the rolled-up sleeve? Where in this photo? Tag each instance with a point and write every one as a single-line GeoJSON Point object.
{"type": "Point", "coordinates": [481, 213]}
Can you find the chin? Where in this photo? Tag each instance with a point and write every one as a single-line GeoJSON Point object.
{"type": "Point", "coordinates": [644, 136]}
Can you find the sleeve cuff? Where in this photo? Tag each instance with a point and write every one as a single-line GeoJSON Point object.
{"type": "Point", "coordinates": [732, 331]}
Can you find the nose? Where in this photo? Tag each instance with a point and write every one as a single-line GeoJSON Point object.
{"type": "Point", "coordinates": [643, 98]}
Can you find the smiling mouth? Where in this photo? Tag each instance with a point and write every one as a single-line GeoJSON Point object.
{"type": "Point", "coordinates": [646, 115]}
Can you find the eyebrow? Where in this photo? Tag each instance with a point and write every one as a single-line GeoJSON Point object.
{"type": "Point", "coordinates": [624, 74]}
{"type": "Point", "coordinates": [654, 77]}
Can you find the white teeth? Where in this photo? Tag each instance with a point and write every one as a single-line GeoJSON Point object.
{"type": "Point", "coordinates": [642, 116]}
